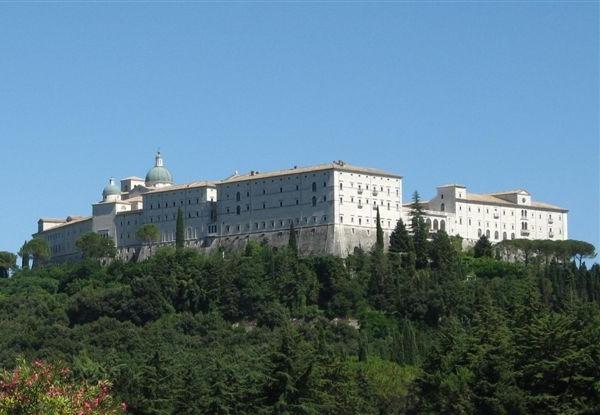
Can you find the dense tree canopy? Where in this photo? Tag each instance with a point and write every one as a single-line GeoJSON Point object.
{"type": "Point", "coordinates": [36, 249]}
{"type": "Point", "coordinates": [8, 261]}
{"type": "Point", "coordinates": [268, 331]}
{"type": "Point", "coordinates": [95, 246]}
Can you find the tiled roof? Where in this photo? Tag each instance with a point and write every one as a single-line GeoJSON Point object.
{"type": "Point", "coordinates": [74, 220]}
{"type": "Point", "coordinates": [340, 166]}
{"type": "Point", "coordinates": [489, 198]}
{"type": "Point", "coordinates": [509, 192]}
{"type": "Point", "coordinates": [192, 185]}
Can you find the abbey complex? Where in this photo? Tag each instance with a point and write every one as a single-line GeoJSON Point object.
{"type": "Point", "coordinates": [333, 209]}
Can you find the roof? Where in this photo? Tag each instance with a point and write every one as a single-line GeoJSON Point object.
{"type": "Point", "coordinates": [453, 185]}
{"type": "Point", "coordinates": [509, 192]}
{"type": "Point", "coordinates": [202, 183]}
{"type": "Point", "coordinates": [489, 198]}
{"type": "Point", "coordinates": [74, 220]}
{"type": "Point", "coordinates": [133, 178]}
{"type": "Point", "coordinates": [54, 220]}
{"type": "Point", "coordinates": [336, 165]}
{"type": "Point", "coordinates": [158, 174]}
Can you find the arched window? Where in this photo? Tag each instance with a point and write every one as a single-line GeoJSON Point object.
{"type": "Point", "coordinates": [238, 209]}
{"type": "Point", "coordinates": [512, 235]}
{"type": "Point", "coordinates": [314, 186]}
{"type": "Point", "coordinates": [503, 236]}
{"type": "Point", "coordinates": [496, 235]}
{"type": "Point", "coordinates": [487, 233]}
{"type": "Point", "coordinates": [479, 232]}
{"type": "Point", "coordinates": [237, 196]}
{"type": "Point", "coordinates": [314, 201]}
{"type": "Point", "coordinates": [442, 207]}
{"type": "Point", "coordinates": [435, 224]}
{"type": "Point", "coordinates": [428, 223]}
{"type": "Point", "coordinates": [443, 224]}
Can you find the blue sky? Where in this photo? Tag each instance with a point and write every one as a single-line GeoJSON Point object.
{"type": "Point", "coordinates": [492, 95]}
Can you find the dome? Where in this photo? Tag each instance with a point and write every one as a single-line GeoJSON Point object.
{"type": "Point", "coordinates": [159, 174]}
{"type": "Point", "coordinates": [111, 189]}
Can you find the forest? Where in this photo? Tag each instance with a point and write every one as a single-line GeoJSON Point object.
{"type": "Point", "coordinates": [424, 328]}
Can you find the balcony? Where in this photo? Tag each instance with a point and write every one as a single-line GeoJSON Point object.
{"type": "Point", "coordinates": [374, 207]}
{"type": "Point", "coordinates": [524, 217]}
{"type": "Point", "coordinates": [525, 232]}
{"type": "Point", "coordinates": [359, 191]}
{"type": "Point", "coordinates": [550, 221]}
{"type": "Point", "coordinates": [496, 215]}
{"type": "Point", "coordinates": [375, 192]}
{"type": "Point", "coordinates": [360, 206]}
{"type": "Point", "coordinates": [551, 235]}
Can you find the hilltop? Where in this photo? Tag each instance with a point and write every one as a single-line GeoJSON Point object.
{"type": "Point", "coordinates": [430, 329]}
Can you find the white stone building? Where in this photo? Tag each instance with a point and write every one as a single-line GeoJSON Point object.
{"type": "Point", "coordinates": [501, 215]}
{"type": "Point", "coordinates": [332, 207]}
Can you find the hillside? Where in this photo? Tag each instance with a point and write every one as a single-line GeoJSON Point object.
{"type": "Point", "coordinates": [263, 331]}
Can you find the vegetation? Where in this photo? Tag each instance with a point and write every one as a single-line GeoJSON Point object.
{"type": "Point", "coordinates": [267, 331]}
{"type": "Point", "coordinates": [483, 248]}
{"type": "Point", "coordinates": [42, 388]}
{"type": "Point", "coordinates": [8, 261]}
{"type": "Point", "coordinates": [179, 232]}
{"type": "Point", "coordinates": [94, 246]}
{"type": "Point", "coordinates": [36, 249]}
{"type": "Point", "coordinates": [148, 234]}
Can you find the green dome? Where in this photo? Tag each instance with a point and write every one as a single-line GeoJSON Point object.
{"type": "Point", "coordinates": [158, 174]}
{"type": "Point", "coordinates": [111, 189]}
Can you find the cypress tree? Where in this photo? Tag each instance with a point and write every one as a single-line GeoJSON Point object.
{"type": "Point", "coordinates": [24, 252]}
{"type": "Point", "coordinates": [379, 240]}
{"type": "Point", "coordinates": [293, 243]}
{"type": "Point", "coordinates": [179, 235]}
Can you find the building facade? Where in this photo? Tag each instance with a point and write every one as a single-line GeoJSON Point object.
{"type": "Point", "coordinates": [499, 216]}
{"type": "Point", "coordinates": [332, 207]}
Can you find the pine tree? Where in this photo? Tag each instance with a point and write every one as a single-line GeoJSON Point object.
{"type": "Point", "coordinates": [400, 239]}
{"type": "Point", "coordinates": [483, 248]}
{"type": "Point", "coordinates": [441, 251]}
{"type": "Point", "coordinates": [179, 234]}
{"type": "Point", "coordinates": [419, 231]}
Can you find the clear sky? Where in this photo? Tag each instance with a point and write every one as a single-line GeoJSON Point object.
{"type": "Point", "coordinates": [491, 95]}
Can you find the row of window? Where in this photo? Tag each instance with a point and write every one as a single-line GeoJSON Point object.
{"type": "Point", "coordinates": [435, 225]}
{"type": "Point", "coordinates": [524, 212]}
{"type": "Point", "coordinates": [496, 234]}
{"type": "Point", "coordinates": [272, 224]}
{"type": "Point", "coordinates": [360, 204]}
{"type": "Point", "coordinates": [383, 222]}
{"type": "Point", "coordinates": [238, 195]}
{"type": "Point", "coordinates": [238, 208]}
{"type": "Point", "coordinates": [174, 217]}
{"type": "Point", "coordinates": [373, 188]}
{"type": "Point", "coordinates": [174, 204]}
